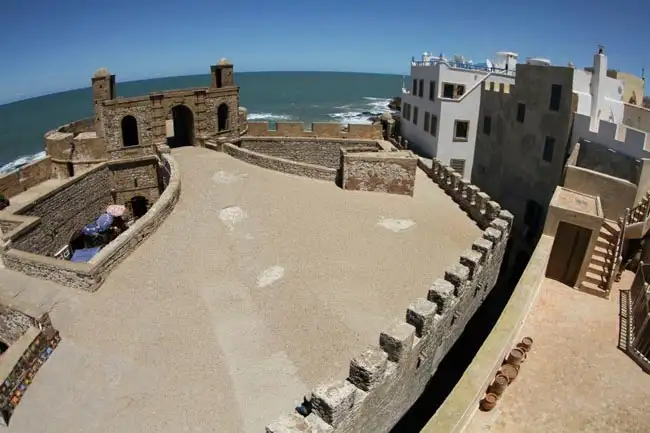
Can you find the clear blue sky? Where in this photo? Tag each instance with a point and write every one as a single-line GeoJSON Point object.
{"type": "Point", "coordinates": [48, 46]}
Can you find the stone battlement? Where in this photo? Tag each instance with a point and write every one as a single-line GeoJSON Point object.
{"type": "Point", "coordinates": [317, 129]}
{"type": "Point", "coordinates": [497, 87]}
{"type": "Point", "coordinates": [621, 137]}
{"type": "Point", "coordinates": [410, 349]}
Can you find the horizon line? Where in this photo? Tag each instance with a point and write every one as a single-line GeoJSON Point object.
{"type": "Point", "coordinates": [28, 98]}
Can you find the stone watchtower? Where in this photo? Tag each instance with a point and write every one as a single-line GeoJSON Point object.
{"type": "Point", "coordinates": [103, 90]}
{"type": "Point", "coordinates": [222, 74]}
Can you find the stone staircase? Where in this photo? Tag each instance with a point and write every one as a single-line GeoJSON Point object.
{"type": "Point", "coordinates": [600, 267]}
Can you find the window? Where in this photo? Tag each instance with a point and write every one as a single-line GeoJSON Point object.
{"type": "Point", "coordinates": [415, 87]}
{"type": "Point", "coordinates": [426, 121]}
{"type": "Point", "coordinates": [461, 130]}
{"type": "Point", "coordinates": [434, 125]}
{"type": "Point", "coordinates": [448, 90]}
{"type": "Point", "coordinates": [556, 96]}
{"type": "Point", "coordinates": [407, 111]}
{"type": "Point", "coordinates": [549, 144]}
{"type": "Point", "coordinates": [487, 125]}
{"type": "Point", "coordinates": [458, 165]}
{"type": "Point", "coordinates": [521, 112]}
{"type": "Point", "coordinates": [460, 91]}
{"type": "Point", "coordinates": [421, 88]}
{"type": "Point", "coordinates": [432, 90]}
{"type": "Point", "coordinates": [130, 131]}
{"type": "Point", "coordinates": [415, 115]}
{"type": "Point", "coordinates": [222, 118]}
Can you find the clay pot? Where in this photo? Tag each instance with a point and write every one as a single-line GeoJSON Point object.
{"type": "Point", "coordinates": [499, 385]}
{"type": "Point", "coordinates": [489, 401]}
{"type": "Point", "coordinates": [510, 372]}
{"type": "Point", "coordinates": [526, 343]}
{"type": "Point", "coordinates": [516, 357]}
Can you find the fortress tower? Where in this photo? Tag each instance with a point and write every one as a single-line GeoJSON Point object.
{"type": "Point", "coordinates": [103, 84]}
{"type": "Point", "coordinates": [221, 74]}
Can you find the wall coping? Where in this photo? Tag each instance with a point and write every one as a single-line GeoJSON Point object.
{"type": "Point", "coordinates": [15, 351]}
{"type": "Point", "coordinates": [91, 273]}
{"type": "Point", "coordinates": [461, 404]}
{"type": "Point", "coordinates": [342, 140]}
{"type": "Point", "coordinates": [23, 167]}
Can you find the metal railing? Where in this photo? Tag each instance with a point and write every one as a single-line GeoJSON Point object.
{"type": "Point", "coordinates": [638, 326]}
{"type": "Point", "coordinates": [463, 65]}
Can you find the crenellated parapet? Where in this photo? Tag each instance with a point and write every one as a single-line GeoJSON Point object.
{"type": "Point", "coordinates": [386, 379]}
{"type": "Point", "coordinates": [316, 129]}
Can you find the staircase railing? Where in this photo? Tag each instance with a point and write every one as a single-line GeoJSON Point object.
{"type": "Point", "coordinates": [617, 257]}
{"type": "Point", "coordinates": [638, 316]}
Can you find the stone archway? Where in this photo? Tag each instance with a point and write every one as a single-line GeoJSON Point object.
{"type": "Point", "coordinates": [222, 118]}
{"type": "Point", "coordinates": [182, 119]}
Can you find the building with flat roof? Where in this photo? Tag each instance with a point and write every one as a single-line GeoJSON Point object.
{"type": "Point", "coordinates": [440, 110]}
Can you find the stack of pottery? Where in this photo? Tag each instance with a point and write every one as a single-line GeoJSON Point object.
{"type": "Point", "coordinates": [507, 374]}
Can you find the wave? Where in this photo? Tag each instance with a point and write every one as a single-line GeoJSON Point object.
{"type": "Point", "coordinates": [362, 111]}
{"type": "Point", "coordinates": [19, 162]}
{"type": "Point", "coordinates": [268, 116]}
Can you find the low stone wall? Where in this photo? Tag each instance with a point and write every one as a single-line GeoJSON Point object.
{"type": "Point", "coordinates": [391, 172]}
{"type": "Point", "coordinates": [461, 404]}
{"type": "Point", "coordinates": [385, 380]}
{"type": "Point", "coordinates": [316, 151]}
{"type": "Point", "coordinates": [63, 211]}
{"type": "Point", "coordinates": [317, 129]}
{"type": "Point", "coordinates": [25, 177]}
{"type": "Point", "coordinates": [20, 363]}
{"type": "Point", "coordinates": [89, 276]}
{"type": "Point", "coordinates": [279, 164]}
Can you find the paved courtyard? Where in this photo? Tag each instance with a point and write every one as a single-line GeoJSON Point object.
{"type": "Point", "coordinates": [257, 287]}
{"type": "Point", "coordinates": [575, 379]}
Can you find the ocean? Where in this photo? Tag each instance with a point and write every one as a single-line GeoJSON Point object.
{"type": "Point", "coordinates": [274, 96]}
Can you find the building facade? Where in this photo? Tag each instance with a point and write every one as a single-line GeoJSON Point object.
{"type": "Point", "coordinates": [440, 111]}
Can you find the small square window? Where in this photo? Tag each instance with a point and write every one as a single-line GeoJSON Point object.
{"type": "Point", "coordinates": [521, 112]}
{"type": "Point", "coordinates": [434, 125]}
{"type": "Point", "coordinates": [415, 115]}
{"type": "Point", "coordinates": [549, 144]}
{"type": "Point", "coordinates": [426, 120]}
{"type": "Point", "coordinates": [461, 130]}
{"type": "Point", "coordinates": [487, 125]}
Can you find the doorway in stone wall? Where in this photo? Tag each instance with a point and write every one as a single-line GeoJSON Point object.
{"type": "Point", "coordinates": [182, 127]}
{"type": "Point", "coordinates": [139, 205]}
{"type": "Point", "coordinates": [569, 249]}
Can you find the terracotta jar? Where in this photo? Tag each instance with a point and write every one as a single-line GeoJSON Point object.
{"type": "Point", "coordinates": [526, 344]}
{"type": "Point", "coordinates": [509, 371]}
{"type": "Point", "coordinates": [516, 357]}
{"type": "Point", "coordinates": [499, 385]}
{"type": "Point", "coordinates": [489, 401]}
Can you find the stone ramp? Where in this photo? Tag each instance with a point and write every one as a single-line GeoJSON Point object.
{"type": "Point", "coordinates": [29, 295]}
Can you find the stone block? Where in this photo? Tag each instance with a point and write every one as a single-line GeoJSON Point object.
{"type": "Point", "coordinates": [421, 314]}
{"type": "Point", "coordinates": [506, 216]}
{"type": "Point", "coordinates": [492, 209]}
{"type": "Point", "coordinates": [485, 246]}
{"type": "Point", "coordinates": [332, 402]}
{"type": "Point", "coordinates": [492, 234]}
{"type": "Point", "coordinates": [294, 423]}
{"type": "Point", "coordinates": [500, 224]}
{"type": "Point", "coordinates": [471, 259]}
{"type": "Point", "coordinates": [457, 275]}
{"type": "Point", "coordinates": [397, 341]}
{"type": "Point", "coordinates": [367, 369]}
{"type": "Point", "coordinates": [442, 294]}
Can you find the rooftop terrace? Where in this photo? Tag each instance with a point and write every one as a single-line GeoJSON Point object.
{"type": "Point", "coordinates": [575, 378]}
{"type": "Point", "coordinates": [257, 287]}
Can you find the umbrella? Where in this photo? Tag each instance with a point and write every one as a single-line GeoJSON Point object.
{"type": "Point", "coordinates": [116, 210]}
{"type": "Point", "coordinates": [104, 222]}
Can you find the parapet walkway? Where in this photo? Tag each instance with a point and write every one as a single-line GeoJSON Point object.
{"type": "Point", "coordinates": [257, 287]}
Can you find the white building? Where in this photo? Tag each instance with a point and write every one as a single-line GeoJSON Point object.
{"type": "Point", "coordinates": [440, 111]}
{"type": "Point", "coordinates": [599, 116]}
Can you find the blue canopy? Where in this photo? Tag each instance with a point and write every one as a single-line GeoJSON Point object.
{"type": "Point", "coordinates": [104, 222]}
{"type": "Point", "coordinates": [84, 255]}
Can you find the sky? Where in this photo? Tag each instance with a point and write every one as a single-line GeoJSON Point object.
{"type": "Point", "coordinates": [50, 46]}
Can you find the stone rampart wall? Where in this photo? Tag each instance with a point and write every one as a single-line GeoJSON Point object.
{"type": "Point", "coordinates": [63, 211]}
{"type": "Point", "coordinates": [318, 129]}
{"type": "Point", "coordinates": [25, 177]}
{"type": "Point", "coordinates": [385, 380]}
{"type": "Point", "coordinates": [89, 276]}
{"type": "Point", "coordinates": [325, 152]}
{"type": "Point", "coordinates": [279, 164]}
{"type": "Point", "coordinates": [391, 172]}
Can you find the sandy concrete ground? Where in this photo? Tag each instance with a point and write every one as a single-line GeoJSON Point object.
{"type": "Point", "coordinates": [575, 379]}
{"type": "Point", "coordinates": [256, 288]}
